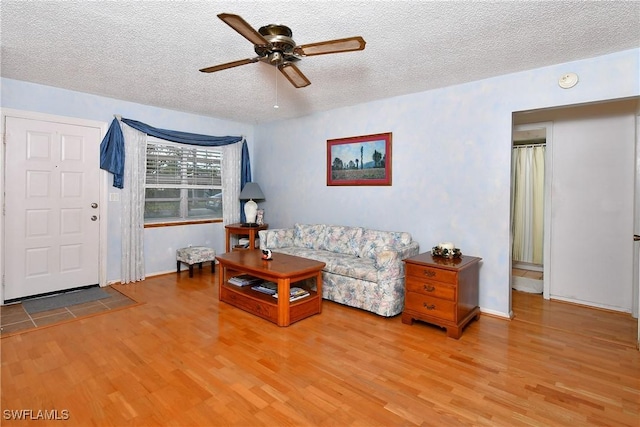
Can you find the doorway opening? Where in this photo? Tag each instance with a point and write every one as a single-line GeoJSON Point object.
{"type": "Point", "coordinates": [590, 214]}
{"type": "Point", "coordinates": [528, 200]}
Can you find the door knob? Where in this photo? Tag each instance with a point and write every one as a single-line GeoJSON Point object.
{"type": "Point", "coordinates": [94, 205]}
{"type": "Point", "coordinates": [94, 218]}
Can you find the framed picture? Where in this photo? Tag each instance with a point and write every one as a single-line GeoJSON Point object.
{"type": "Point", "coordinates": [359, 160]}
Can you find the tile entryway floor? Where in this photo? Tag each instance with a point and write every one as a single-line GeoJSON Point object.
{"type": "Point", "coordinates": [14, 319]}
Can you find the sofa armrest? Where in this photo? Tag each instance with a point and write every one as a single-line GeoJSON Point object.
{"type": "Point", "coordinates": [276, 238]}
{"type": "Point", "coordinates": [389, 261]}
{"type": "Point", "coordinates": [386, 257]}
{"type": "Point", "coordinates": [407, 251]}
{"type": "Point", "coordinates": [389, 255]}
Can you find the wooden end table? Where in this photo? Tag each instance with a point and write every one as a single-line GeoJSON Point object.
{"type": "Point", "coordinates": [238, 228]}
{"type": "Point", "coordinates": [284, 270]}
{"type": "Point", "coordinates": [442, 291]}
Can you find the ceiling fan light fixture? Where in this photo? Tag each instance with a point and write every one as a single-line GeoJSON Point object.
{"type": "Point", "coordinates": [275, 58]}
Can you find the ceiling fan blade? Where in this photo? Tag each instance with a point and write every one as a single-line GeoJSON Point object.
{"type": "Point", "coordinates": [242, 27]}
{"type": "Point", "coordinates": [331, 46]}
{"type": "Point", "coordinates": [294, 75]}
{"type": "Point", "coordinates": [230, 65]}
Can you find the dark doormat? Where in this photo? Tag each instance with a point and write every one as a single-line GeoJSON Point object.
{"type": "Point", "coordinates": [66, 299]}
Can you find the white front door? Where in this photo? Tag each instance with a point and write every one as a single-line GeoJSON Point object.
{"type": "Point", "coordinates": [52, 188]}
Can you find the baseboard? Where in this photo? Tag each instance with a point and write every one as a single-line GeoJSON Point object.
{"type": "Point", "coordinates": [157, 273]}
{"type": "Point", "coordinates": [590, 304]}
{"type": "Point", "coordinates": [498, 314]}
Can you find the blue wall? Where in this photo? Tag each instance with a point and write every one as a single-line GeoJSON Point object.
{"type": "Point", "coordinates": [451, 161]}
{"type": "Point", "coordinates": [160, 243]}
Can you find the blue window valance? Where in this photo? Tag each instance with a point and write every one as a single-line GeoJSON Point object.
{"type": "Point", "coordinates": [112, 153]}
{"type": "Point", "coordinates": [112, 146]}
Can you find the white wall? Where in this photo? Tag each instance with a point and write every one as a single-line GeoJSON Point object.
{"type": "Point", "coordinates": [451, 161]}
{"type": "Point", "coordinates": [160, 243]}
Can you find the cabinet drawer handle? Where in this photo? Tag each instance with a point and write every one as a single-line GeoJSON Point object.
{"type": "Point", "coordinates": [429, 306]}
{"type": "Point", "coordinates": [429, 273]}
{"type": "Point", "coordinates": [429, 288]}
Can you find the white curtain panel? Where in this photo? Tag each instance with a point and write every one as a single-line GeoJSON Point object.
{"type": "Point", "coordinates": [132, 203]}
{"type": "Point", "coordinates": [528, 203]}
{"type": "Point", "coordinates": [231, 171]}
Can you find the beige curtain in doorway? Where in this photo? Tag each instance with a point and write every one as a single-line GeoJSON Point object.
{"type": "Point", "coordinates": [528, 203]}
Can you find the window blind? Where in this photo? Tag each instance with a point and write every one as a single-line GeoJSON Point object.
{"type": "Point", "coordinates": [180, 166]}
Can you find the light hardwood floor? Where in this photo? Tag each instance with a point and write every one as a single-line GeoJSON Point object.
{"type": "Point", "coordinates": [184, 359]}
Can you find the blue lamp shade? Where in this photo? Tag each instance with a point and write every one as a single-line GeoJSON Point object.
{"type": "Point", "coordinates": [251, 191]}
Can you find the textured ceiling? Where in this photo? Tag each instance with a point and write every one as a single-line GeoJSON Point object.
{"type": "Point", "coordinates": [149, 52]}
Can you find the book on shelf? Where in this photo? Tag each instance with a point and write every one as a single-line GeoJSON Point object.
{"type": "Point", "coordinates": [244, 243]}
{"type": "Point", "coordinates": [269, 288]}
{"type": "Point", "coordinates": [245, 280]}
{"type": "Point", "coordinates": [295, 293]}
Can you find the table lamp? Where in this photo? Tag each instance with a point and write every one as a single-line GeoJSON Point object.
{"type": "Point", "coordinates": [251, 191]}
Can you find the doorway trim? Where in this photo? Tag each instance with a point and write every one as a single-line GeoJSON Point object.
{"type": "Point", "coordinates": [102, 209]}
{"type": "Point", "coordinates": [548, 173]}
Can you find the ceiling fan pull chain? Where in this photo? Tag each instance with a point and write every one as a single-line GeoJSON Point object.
{"type": "Point", "coordinates": [276, 104]}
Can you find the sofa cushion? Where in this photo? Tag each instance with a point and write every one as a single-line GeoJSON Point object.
{"type": "Point", "coordinates": [308, 235]}
{"type": "Point", "coordinates": [342, 240]}
{"type": "Point", "coordinates": [375, 241]}
{"type": "Point", "coordinates": [350, 266]}
{"type": "Point", "coordinates": [344, 265]}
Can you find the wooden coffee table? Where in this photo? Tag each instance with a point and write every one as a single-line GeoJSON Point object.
{"type": "Point", "coordinates": [282, 269]}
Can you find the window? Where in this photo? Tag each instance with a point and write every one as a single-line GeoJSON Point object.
{"type": "Point", "coordinates": [183, 182]}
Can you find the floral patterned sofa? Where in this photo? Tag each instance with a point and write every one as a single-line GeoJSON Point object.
{"type": "Point", "coordinates": [364, 267]}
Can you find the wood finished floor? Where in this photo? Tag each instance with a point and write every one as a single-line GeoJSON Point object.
{"type": "Point", "coordinates": [183, 359]}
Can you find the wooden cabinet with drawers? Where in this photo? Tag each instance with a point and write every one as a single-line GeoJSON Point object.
{"type": "Point", "coordinates": [442, 291]}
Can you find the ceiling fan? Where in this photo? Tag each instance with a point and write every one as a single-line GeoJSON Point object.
{"type": "Point", "coordinates": [273, 45]}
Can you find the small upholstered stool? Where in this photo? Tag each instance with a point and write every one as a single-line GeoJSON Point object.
{"type": "Point", "coordinates": [196, 255]}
